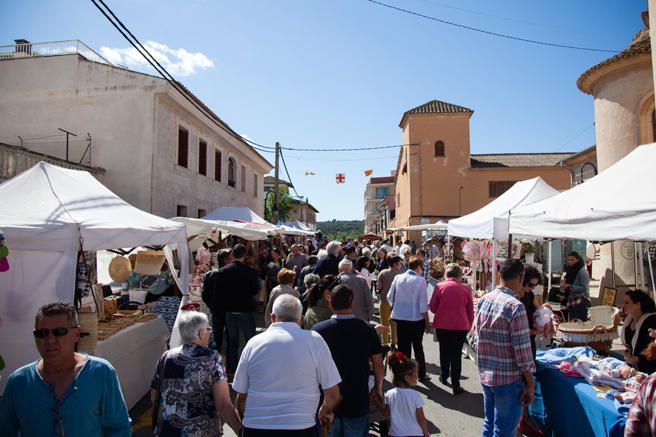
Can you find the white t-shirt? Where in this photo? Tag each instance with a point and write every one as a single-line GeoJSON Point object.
{"type": "Point", "coordinates": [280, 370]}
{"type": "Point", "coordinates": [403, 404]}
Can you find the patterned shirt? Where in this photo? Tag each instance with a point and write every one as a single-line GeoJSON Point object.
{"type": "Point", "coordinates": [504, 345]}
{"type": "Point", "coordinates": [186, 405]}
{"type": "Point", "coordinates": [642, 415]}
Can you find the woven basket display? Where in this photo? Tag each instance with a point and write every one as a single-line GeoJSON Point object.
{"type": "Point", "coordinates": [598, 332]}
{"type": "Point", "coordinates": [88, 331]}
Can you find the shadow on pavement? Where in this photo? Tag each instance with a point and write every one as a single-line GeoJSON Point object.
{"type": "Point", "coordinates": [467, 403]}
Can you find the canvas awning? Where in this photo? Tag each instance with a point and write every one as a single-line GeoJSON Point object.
{"type": "Point", "coordinates": [617, 204]}
{"type": "Point", "coordinates": [491, 221]}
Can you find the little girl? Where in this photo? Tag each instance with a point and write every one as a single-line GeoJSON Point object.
{"type": "Point", "coordinates": [404, 405]}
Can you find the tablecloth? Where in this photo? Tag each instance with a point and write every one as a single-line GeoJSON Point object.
{"type": "Point", "coordinates": [134, 352]}
{"type": "Point", "coordinates": [572, 408]}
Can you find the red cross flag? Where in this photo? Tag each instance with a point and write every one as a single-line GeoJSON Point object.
{"type": "Point", "coordinates": [340, 178]}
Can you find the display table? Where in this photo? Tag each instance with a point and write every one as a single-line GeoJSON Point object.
{"type": "Point", "coordinates": [134, 352]}
{"type": "Point", "coordinates": [571, 407]}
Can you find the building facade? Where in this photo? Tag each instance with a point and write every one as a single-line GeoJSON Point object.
{"type": "Point", "coordinates": [375, 192]}
{"type": "Point", "coordinates": [438, 178]}
{"type": "Point", "coordinates": [160, 152]}
{"type": "Point", "coordinates": [623, 90]}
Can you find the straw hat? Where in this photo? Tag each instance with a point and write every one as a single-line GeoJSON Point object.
{"type": "Point", "coordinates": [119, 268]}
{"type": "Point", "coordinates": [149, 262]}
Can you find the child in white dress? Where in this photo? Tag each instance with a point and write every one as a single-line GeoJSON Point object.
{"type": "Point", "coordinates": [404, 405]}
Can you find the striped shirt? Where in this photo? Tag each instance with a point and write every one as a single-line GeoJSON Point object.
{"type": "Point", "coordinates": [642, 415]}
{"type": "Point", "coordinates": [504, 345]}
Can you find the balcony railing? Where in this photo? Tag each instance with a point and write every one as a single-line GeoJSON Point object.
{"type": "Point", "coordinates": [51, 48]}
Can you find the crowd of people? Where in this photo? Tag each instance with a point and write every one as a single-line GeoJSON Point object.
{"type": "Point", "coordinates": [320, 362]}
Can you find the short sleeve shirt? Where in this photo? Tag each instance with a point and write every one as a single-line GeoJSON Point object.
{"type": "Point", "coordinates": [281, 370]}
{"type": "Point", "coordinates": [403, 404]}
{"type": "Point", "coordinates": [351, 342]}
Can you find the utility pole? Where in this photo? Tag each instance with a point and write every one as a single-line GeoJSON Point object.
{"type": "Point", "coordinates": [67, 134]}
{"type": "Point", "coordinates": [274, 213]}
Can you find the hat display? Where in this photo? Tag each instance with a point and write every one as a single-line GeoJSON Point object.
{"type": "Point", "coordinates": [119, 268]}
{"type": "Point", "coordinates": [149, 262]}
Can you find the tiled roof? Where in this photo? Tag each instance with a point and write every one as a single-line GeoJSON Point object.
{"type": "Point", "coordinates": [640, 44]}
{"type": "Point", "coordinates": [518, 159]}
{"type": "Point", "coordinates": [271, 181]}
{"type": "Point", "coordinates": [436, 107]}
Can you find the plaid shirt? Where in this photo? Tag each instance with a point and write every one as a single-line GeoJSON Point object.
{"type": "Point", "coordinates": [504, 345]}
{"type": "Point", "coordinates": [642, 415]}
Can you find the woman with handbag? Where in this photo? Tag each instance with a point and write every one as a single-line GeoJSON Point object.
{"type": "Point", "coordinates": [190, 389]}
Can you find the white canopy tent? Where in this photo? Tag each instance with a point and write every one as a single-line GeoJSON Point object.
{"type": "Point", "coordinates": [617, 204]}
{"type": "Point", "coordinates": [437, 226]}
{"type": "Point", "coordinates": [491, 221]}
{"type": "Point", "coordinates": [299, 227]}
{"type": "Point", "coordinates": [203, 228]}
{"type": "Point", "coordinates": [48, 213]}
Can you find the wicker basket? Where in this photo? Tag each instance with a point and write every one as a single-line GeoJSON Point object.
{"type": "Point", "coordinates": [598, 332]}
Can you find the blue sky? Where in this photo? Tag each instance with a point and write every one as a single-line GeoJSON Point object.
{"type": "Point", "coordinates": [340, 73]}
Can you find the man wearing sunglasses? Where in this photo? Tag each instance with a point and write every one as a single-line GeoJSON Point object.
{"type": "Point", "coordinates": [63, 393]}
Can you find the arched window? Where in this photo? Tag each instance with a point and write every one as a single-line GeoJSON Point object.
{"type": "Point", "coordinates": [232, 172]}
{"type": "Point", "coordinates": [439, 148]}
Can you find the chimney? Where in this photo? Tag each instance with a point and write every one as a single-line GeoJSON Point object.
{"type": "Point", "coordinates": [23, 46]}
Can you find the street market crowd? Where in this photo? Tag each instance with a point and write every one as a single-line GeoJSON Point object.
{"type": "Point", "coordinates": [319, 366]}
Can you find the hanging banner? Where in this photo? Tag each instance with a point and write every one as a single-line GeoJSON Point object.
{"type": "Point", "coordinates": [368, 172]}
{"type": "Point", "coordinates": [340, 178]}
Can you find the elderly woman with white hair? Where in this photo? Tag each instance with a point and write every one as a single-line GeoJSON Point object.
{"type": "Point", "coordinates": [190, 389]}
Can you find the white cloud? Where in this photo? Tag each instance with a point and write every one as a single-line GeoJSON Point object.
{"type": "Point", "coordinates": [178, 62]}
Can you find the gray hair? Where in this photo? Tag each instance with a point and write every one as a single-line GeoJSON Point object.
{"type": "Point", "coordinates": [311, 278]}
{"type": "Point", "coordinates": [366, 252]}
{"type": "Point", "coordinates": [453, 270]}
{"type": "Point", "coordinates": [189, 323]}
{"type": "Point", "coordinates": [333, 248]}
{"type": "Point", "coordinates": [287, 308]}
{"type": "Point", "coordinates": [345, 265]}
{"type": "Point", "coordinates": [322, 254]}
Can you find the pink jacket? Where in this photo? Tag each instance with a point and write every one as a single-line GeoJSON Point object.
{"type": "Point", "coordinates": [453, 306]}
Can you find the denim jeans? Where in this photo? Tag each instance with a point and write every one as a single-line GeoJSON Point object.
{"type": "Point", "coordinates": [236, 323]}
{"type": "Point", "coordinates": [503, 409]}
{"type": "Point", "coordinates": [350, 427]}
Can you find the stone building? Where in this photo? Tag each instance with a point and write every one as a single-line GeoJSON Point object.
{"type": "Point", "coordinates": [438, 178]}
{"type": "Point", "coordinates": [160, 152]}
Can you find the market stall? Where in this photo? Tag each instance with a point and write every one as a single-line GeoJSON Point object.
{"type": "Point", "coordinates": [50, 215]}
{"type": "Point", "coordinates": [491, 222]}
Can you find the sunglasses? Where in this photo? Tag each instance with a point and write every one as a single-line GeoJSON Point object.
{"type": "Point", "coordinates": [56, 332]}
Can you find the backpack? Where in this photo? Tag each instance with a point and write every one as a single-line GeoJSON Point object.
{"type": "Point", "coordinates": [209, 293]}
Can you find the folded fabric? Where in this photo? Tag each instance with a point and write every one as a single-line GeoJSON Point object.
{"type": "Point", "coordinates": [553, 357]}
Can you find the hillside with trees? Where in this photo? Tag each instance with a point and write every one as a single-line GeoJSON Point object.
{"type": "Point", "coordinates": [337, 229]}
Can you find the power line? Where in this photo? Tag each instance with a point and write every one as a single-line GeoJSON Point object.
{"type": "Point", "coordinates": [143, 51]}
{"type": "Point", "coordinates": [287, 173]}
{"type": "Point", "coordinates": [487, 32]}
{"type": "Point", "coordinates": [348, 149]}
{"type": "Point", "coordinates": [587, 128]}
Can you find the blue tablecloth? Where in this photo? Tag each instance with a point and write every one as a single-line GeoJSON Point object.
{"type": "Point", "coordinates": [568, 406]}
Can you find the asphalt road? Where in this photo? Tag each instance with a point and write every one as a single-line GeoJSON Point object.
{"type": "Point", "coordinates": [447, 415]}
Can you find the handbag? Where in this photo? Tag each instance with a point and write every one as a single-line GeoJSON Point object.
{"type": "Point", "coordinates": [160, 373]}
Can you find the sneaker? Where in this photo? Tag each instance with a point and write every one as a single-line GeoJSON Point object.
{"type": "Point", "coordinates": [458, 390]}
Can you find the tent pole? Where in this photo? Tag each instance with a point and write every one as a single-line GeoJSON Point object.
{"type": "Point", "coordinates": [494, 263]}
{"type": "Point", "coordinates": [612, 262]}
{"type": "Point", "coordinates": [642, 266]}
{"type": "Point", "coordinates": [550, 245]}
{"type": "Point", "coordinates": [651, 271]}
{"type": "Point", "coordinates": [635, 264]}
{"type": "Point", "coordinates": [510, 252]}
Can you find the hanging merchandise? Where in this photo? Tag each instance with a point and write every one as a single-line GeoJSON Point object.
{"type": "Point", "coordinates": [340, 178]}
{"type": "Point", "coordinates": [368, 172]}
{"type": "Point", "coordinates": [4, 253]}
{"type": "Point", "coordinates": [309, 173]}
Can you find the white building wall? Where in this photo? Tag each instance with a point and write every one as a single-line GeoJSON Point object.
{"type": "Point", "coordinates": [133, 120]}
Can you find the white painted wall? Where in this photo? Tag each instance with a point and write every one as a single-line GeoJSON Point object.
{"type": "Point", "coordinates": [133, 120]}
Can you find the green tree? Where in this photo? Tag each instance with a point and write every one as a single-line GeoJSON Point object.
{"type": "Point", "coordinates": [284, 205]}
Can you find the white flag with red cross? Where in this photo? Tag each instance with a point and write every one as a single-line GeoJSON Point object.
{"type": "Point", "coordinates": [340, 178]}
